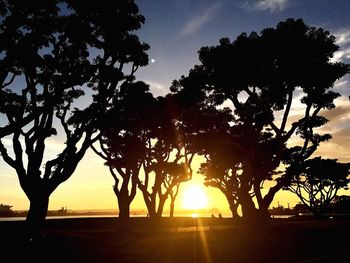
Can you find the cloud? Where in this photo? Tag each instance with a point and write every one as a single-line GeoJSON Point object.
{"type": "Point", "coordinates": [156, 88]}
{"type": "Point", "coordinates": [52, 144]}
{"type": "Point", "coordinates": [341, 56]}
{"type": "Point", "coordinates": [266, 5]}
{"type": "Point", "coordinates": [341, 83]}
{"type": "Point", "coordinates": [337, 114]}
{"type": "Point", "coordinates": [343, 41]}
{"type": "Point", "coordinates": [342, 37]}
{"type": "Point", "coordinates": [342, 138]}
{"type": "Point", "coordinates": [338, 147]}
{"type": "Point", "coordinates": [338, 126]}
{"type": "Point", "coordinates": [199, 20]}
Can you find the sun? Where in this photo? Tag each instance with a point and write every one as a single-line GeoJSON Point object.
{"type": "Point", "coordinates": [194, 197]}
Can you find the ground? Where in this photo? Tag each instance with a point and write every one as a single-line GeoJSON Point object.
{"type": "Point", "coordinates": [179, 240]}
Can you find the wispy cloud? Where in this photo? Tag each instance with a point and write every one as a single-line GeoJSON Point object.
{"type": "Point", "coordinates": [266, 5]}
{"type": "Point", "coordinates": [157, 88]}
{"type": "Point", "coordinates": [338, 126]}
{"type": "Point", "coordinates": [337, 147]}
{"type": "Point", "coordinates": [52, 144]}
{"type": "Point", "coordinates": [199, 20]}
{"type": "Point", "coordinates": [339, 114]}
{"type": "Point", "coordinates": [343, 37]}
{"type": "Point", "coordinates": [341, 83]}
{"type": "Point", "coordinates": [341, 55]}
{"type": "Point", "coordinates": [343, 41]}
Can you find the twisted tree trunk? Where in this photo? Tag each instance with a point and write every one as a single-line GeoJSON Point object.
{"type": "Point", "coordinates": [39, 203]}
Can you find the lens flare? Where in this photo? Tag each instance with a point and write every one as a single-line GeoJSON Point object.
{"type": "Point", "coordinates": [194, 198]}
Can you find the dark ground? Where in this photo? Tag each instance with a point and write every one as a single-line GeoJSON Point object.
{"type": "Point", "coordinates": [179, 240]}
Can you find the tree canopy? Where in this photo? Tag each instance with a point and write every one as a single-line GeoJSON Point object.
{"type": "Point", "coordinates": [261, 75]}
{"type": "Point", "coordinates": [52, 53]}
{"type": "Point", "coordinates": [317, 181]}
{"type": "Point", "coordinates": [124, 138]}
{"type": "Point", "coordinates": [235, 108]}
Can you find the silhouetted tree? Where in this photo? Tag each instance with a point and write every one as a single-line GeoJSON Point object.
{"type": "Point", "coordinates": [201, 123]}
{"type": "Point", "coordinates": [341, 204]}
{"type": "Point", "coordinates": [168, 158]}
{"type": "Point", "coordinates": [317, 181]}
{"type": "Point", "coordinates": [49, 53]}
{"type": "Point", "coordinates": [208, 128]}
{"type": "Point", "coordinates": [173, 194]}
{"type": "Point", "coordinates": [123, 140]}
{"type": "Point", "coordinates": [261, 75]}
{"type": "Point", "coordinates": [300, 208]}
{"type": "Point", "coordinates": [220, 173]}
{"type": "Point", "coordinates": [162, 176]}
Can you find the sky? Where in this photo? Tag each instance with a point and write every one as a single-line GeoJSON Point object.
{"type": "Point", "coordinates": [175, 31]}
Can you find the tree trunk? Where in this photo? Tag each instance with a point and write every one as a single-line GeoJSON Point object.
{"type": "Point", "coordinates": [38, 208]}
{"type": "Point", "coordinates": [248, 208]}
{"type": "Point", "coordinates": [233, 208]}
{"type": "Point", "coordinates": [265, 202]}
{"type": "Point", "coordinates": [172, 207]}
{"type": "Point", "coordinates": [124, 207]}
{"type": "Point", "coordinates": [264, 211]}
{"type": "Point", "coordinates": [249, 211]}
{"type": "Point", "coordinates": [151, 205]}
{"type": "Point", "coordinates": [233, 203]}
{"type": "Point", "coordinates": [161, 207]}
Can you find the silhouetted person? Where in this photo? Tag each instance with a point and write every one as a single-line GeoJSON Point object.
{"type": "Point", "coordinates": [212, 222]}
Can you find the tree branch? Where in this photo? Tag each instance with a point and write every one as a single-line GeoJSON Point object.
{"type": "Point", "coordinates": [286, 113]}
{"type": "Point", "coordinates": [10, 81]}
{"type": "Point", "coordinates": [5, 156]}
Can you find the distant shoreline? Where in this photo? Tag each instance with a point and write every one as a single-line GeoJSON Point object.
{"type": "Point", "coordinates": [187, 216]}
{"type": "Point", "coordinates": [63, 212]}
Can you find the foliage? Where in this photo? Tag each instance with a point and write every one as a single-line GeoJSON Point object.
{"type": "Point", "coordinates": [317, 181]}
{"type": "Point", "coordinates": [52, 53]}
{"type": "Point", "coordinates": [124, 137]}
{"type": "Point", "coordinates": [168, 158]}
{"type": "Point", "coordinates": [261, 75]}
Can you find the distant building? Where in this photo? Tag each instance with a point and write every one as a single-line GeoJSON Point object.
{"type": "Point", "coordinates": [280, 210]}
{"type": "Point", "coordinates": [60, 212]}
{"type": "Point", "coordinates": [5, 210]}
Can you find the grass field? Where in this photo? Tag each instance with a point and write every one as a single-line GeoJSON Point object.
{"type": "Point", "coordinates": [179, 240]}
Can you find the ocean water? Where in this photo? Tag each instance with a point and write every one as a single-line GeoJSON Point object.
{"type": "Point", "coordinates": [22, 218]}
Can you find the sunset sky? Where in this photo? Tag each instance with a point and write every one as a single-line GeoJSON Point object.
{"type": "Point", "coordinates": [175, 30]}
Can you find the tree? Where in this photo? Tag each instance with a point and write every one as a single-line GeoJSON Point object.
{"type": "Point", "coordinates": [199, 121]}
{"type": "Point", "coordinates": [173, 194]}
{"type": "Point", "coordinates": [340, 204]}
{"type": "Point", "coordinates": [162, 177]}
{"type": "Point", "coordinates": [51, 51]}
{"type": "Point", "coordinates": [207, 128]}
{"type": "Point", "coordinates": [220, 173]}
{"type": "Point", "coordinates": [168, 157]}
{"type": "Point", "coordinates": [317, 182]}
{"type": "Point", "coordinates": [261, 75]}
{"type": "Point", "coordinates": [123, 139]}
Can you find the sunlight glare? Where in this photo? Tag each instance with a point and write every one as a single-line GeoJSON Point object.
{"type": "Point", "coordinates": [194, 198]}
